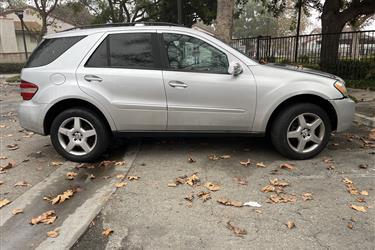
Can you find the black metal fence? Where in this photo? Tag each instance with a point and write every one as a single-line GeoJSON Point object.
{"type": "Point", "coordinates": [355, 51]}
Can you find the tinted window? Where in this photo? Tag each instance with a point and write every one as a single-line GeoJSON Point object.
{"type": "Point", "coordinates": [188, 53]}
{"type": "Point", "coordinates": [128, 50]}
{"type": "Point", "coordinates": [50, 49]}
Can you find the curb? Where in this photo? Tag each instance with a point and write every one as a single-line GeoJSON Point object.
{"type": "Point", "coordinates": [364, 120]}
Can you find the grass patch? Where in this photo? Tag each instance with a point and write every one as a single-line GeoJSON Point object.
{"type": "Point", "coordinates": [15, 78]}
{"type": "Point", "coordinates": [361, 84]}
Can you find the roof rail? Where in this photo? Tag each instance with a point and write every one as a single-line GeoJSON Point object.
{"type": "Point", "coordinates": [124, 24]}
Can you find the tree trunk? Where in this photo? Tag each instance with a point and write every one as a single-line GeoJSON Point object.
{"type": "Point", "coordinates": [224, 19]}
{"type": "Point", "coordinates": [44, 26]}
{"type": "Point", "coordinates": [332, 26]}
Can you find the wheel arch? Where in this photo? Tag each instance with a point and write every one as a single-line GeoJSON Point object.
{"type": "Point", "coordinates": [62, 105]}
{"type": "Point", "coordinates": [305, 98]}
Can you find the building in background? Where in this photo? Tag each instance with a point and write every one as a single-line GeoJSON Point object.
{"type": "Point", "coordinates": [11, 41]}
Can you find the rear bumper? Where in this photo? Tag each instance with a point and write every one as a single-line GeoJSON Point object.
{"type": "Point", "coordinates": [345, 109]}
{"type": "Point", "coordinates": [31, 116]}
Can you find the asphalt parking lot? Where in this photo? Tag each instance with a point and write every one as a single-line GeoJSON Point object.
{"type": "Point", "coordinates": [185, 193]}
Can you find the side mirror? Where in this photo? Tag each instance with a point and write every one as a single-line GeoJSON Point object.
{"type": "Point", "coordinates": [234, 68]}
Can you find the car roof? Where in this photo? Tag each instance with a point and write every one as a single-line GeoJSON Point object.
{"type": "Point", "coordinates": [85, 31]}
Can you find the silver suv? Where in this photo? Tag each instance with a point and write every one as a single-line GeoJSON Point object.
{"type": "Point", "coordinates": [85, 85]}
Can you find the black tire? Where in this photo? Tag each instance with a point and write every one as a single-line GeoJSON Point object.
{"type": "Point", "coordinates": [102, 134]}
{"type": "Point", "coordinates": [280, 126]}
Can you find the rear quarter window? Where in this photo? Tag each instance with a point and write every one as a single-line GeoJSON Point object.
{"type": "Point", "coordinates": [50, 49]}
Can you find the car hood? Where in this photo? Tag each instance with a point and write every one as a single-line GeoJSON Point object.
{"type": "Point", "coordinates": [303, 70]}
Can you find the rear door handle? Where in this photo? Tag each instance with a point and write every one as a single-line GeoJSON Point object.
{"type": "Point", "coordinates": [177, 84]}
{"type": "Point", "coordinates": [93, 78]}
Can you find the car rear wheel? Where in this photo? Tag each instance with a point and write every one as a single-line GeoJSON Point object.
{"type": "Point", "coordinates": [301, 131]}
{"type": "Point", "coordinates": [79, 135]}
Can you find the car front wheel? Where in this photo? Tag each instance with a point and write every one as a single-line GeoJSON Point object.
{"type": "Point", "coordinates": [301, 131]}
{"type": "Point", "coordinates": [79, 135]}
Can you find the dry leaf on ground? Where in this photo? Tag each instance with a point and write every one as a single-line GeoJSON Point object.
{"type": "Point", "coordinates": [371, 135]}
{"type": "Point", "coordinates": [245, 163]}
{"type": "Point", "coordinates": [282, 198]}
{"type": "Point", "coordinates": [3, 157]}
{"type": "Point", "coordinates": [287, 166]}
{"type": "Point", "coordinates": [350, 186]}
{"type": "Point", "coordinates": [212, 186]}
{"type": "Point", "coordinates": [189, 197]}
{"type": "Point", "coordinates": [191, 160]}
{"type": "Point", "coordinates": [364, 192]}
{"type": "Point", "coordinates": [62, 197]}
{"type": "Point", "coordinates": [10, 165]}
{"type": "Point", "coordinates": [120, 176]}
{"type": "Point", "coordinates": [22, 184]}
{"type": "Point", "coordinates": [307, 196]}
{"type": "Point", "coordinates": [56, 163]}
{"type": "Point", "coordinates": [360, 199]}
{"type": "Point", "coordinates": [236, 230]}
{"type": "Point", "coordinates": [280, 183]}
{"type": "Point", "coordinates": [108, 163]}
{"type": "Point", "coordinates": [52, 234]}
{"type": "Point", "coordinates": [228, 202]}
{"type": "Point", "coordinates": [107, 232]}
{"type": "Point", "coordinates": [213, 157]}
{"type": "Point", "coordinates": [133, 178]}
{"type": "Point", "coordinates": [4, 202]}
{"type": "Point", "coordinates": [350, 225]}
{"type": "Point", "coordinates": [172, 185]}
{"type": "Point", "coordinates": [17, 211]}
{"type": "Point", "coordinates": [192, 180]}
{"type": "Point", "coordinates": [121, 184]}
{"type": "Point", "coordinates": [120, 163]}
{"type": "Point", "coordinates": [363, 166]}
{"type": "Point", "coordinates": [1, 182]}
{"type": "Point", "coordinates": [268, 188]}
{"type": "Point", "coordinates": [12, 146]}
{"type": "Point", "coordinates": [362, 209]}
{"type": "Point", "coordinates": [225, 157]}
{"type": "Point", "coordinates": [205, 196]}
{"type": "Point", "coordinates": [290, 224]}
{"type": "Point", "coordinates": [47, 218]}
{"type": "Point", "coordinates": [71, 175]}
{"type": "Point", "coordinates": [261, 165]}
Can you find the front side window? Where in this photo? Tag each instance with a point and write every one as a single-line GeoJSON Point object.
{"type": "Point", "coordinates": [126, 50]}
{"type": "Point", "coordinates": [188, 53]}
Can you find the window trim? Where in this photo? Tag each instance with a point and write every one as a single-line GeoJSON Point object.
{"type": "Point", "coordinates": [165, 60]}
{"type": "Point", "coordinates": [154, 50]}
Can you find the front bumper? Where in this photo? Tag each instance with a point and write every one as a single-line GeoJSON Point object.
{"type": "Point", "coordinates": [31, 116]}
{"type": "Point", "coordinates": [345, 109]}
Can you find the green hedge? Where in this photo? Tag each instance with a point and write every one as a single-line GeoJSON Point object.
{"type": "Point", "coordinates": [10, 68]}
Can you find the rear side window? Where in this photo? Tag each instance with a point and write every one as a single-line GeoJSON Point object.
{"type": "Point", "coordinates": [127, 50]}
{"type": "Point", "coordinates": [50, 49]}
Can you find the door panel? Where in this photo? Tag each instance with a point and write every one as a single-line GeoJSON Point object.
{"type": "Point", "coordinates": [122, 75]}
{"type": "Point", "coordinates": [201, 95]}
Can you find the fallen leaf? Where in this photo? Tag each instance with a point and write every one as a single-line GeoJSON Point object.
{"type": "Point", "coordinates": [240, 232]}
{"type": "Point", "coordinates": [47, 218]}
{"type": "Point", "coordinates": [362, 166]}
{"type": "Point", "coordinates": [261, 165]}
{"type": "Point", "coordinates": [245, 163]}
{"type": "Point", "coordinates": [62, 197]}
{"type": "Point", "coordinates": [17, 211]}
{"type": "Point", "coordinates": [10, 165]}
{"type": "Point", "coordinates": [120, 163]}
{"type": "Point", "coordinates": [192, 180]}
{"type": "Point", "coordinates": [12, 146]}
{"type": "Point", "coordinates": [228, 202]}
{"type": "Point", "coordinates": [189, 197]}
{"type": "Point", "coordinates": [52, 234]}
{"type": "Point", "coordinates": [359, 208]}
{"type": "Point", "coordinates": [280, 183]}
{"type": "Point", "coordinates": [290, 224]}
{"type": "Point", "coordinates": [121, 184]}
{"type": "Point", "coordinates": [268, 188]}
{"type": "Point", "coordinates": [191, 160]}
{"type": "Point", "coordinates": [71, 175]}
{"type": "Point", "coordinates": [1, 182]}
{"type": "Point", "coordinates": [360, 199]}
{"type": "Point", "coordinates": [307, 196]}
{"type": "Point", "coordinates": [287, 166]}
{"type": "Point", "coordinates": [212, 186]}
{"type": "Point", "coordinates": [225, 157]}
{"type": "Point", "coordinates": [172, 185]}
{"type": "Point", "coordinates": [205, 196]}
{"type": "Point", "coordinates": [3, 157]}
{"type": "Point", "coordinates": [22, 184]}
{"type": "Point", "coordinates": [350, 225]}
{"type": "Point", "coordinates": [133, 178]}
{"type": "Point", "coordinates": [371, 135]}
{"type": "Point", "coordinates": [107, 232]}
{"type": "Point", "coordinates": [213, 157]}
{"type": "Point", "coordinates": [282, 198]}
{"type": "Point", "coordinates": [91, 176]}
{"type": "Point", "coordinates": [364, 192]}
{"type": "Point", "coordinates": [56, 163]}
{"type": "Point", "coordinates": [120, 176]}
{"type": "Point", "coordinates": [4, 202]}
{"type": "Point", "coordinates": [252, 204]}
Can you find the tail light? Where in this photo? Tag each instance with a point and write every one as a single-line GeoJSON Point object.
{"type": "Point", "coordinates": [28, 90]}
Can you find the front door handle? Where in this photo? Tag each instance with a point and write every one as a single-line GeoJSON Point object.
{"type": "Point", "coordinates": [177, 84]}
{"type": "Point", "coordinates": [93, 78]}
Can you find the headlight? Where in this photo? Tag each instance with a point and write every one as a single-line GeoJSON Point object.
{"type": "Point", "coordinates": [340, 86]}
